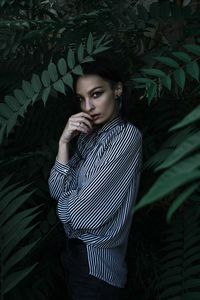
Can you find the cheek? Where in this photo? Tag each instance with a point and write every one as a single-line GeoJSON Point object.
{"type": "Point", "coordinates": [82, 106]}
{"type": "Point", "coordinates": [107, 104]}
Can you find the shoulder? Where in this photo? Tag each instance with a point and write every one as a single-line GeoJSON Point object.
{"type": "Point", "coordinates": [131, 134]}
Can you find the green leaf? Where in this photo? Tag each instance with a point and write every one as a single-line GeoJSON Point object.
{"type": "Point", "coordinates": [166, 82]}
{"type": "Point", "coordinates": [88, 59]}
{"type": "Point", "coordinates": [3, 182]}
{"type": "Point", "coordinates": [184, 172]}
{"type": "Point", "coordinates": [80, 52]}
{"type": "Point", "coordinates": [70, 59]}
{"type": "Point", "coordinates": [8, 226]}
{"type": "Point", "coordinates": [179, 76]}
{"type": "Point", "coordinates": [171, 290]}
{"type": "Point", "coordinates": [154, 72]}
{"type": "Point", "coordinates": [2, 120]}
{"type": "Point", "coordinates": [13, 279]}
{"type": "Point", "coordinates": [5, 110]}
{"type": "Point", "coordinates": [167, 61]}
{"type": "Point", "coordinates": [100, 40]}
{"type": "Point", "coordinates": [183, 149]}
{"type": "Point", "coordinates": [36, 83]}
{"type": "Point", "coordinates": [2, 132]}
{"type": "Point", "coordinates": [100, 49]}
{"type": "Point", "coordinates": [27, 88]}
{"type": "Point", "coordinates": [45, 79]}
{"type": "Point", "coordinates": [14, 205]}
{"type": "Point", "coordinates": [68, 80]}
{"type": "Point", "coordinates": [53, 74]}
{"type": "Point", "coordinates": [180, 200]}
{"type": "Point", "coordinates": [11, 123]}
{"type": "Point", "coordinates": [59, 86]}
{"type": "Point", "coordinates": [17, 257]}
{"type": "Point", "coordinates": [13, 240]}
{"type": "Point", "coordinates": [182, 56]}
{"type": "Point", "coordinates": [151, 91]}
{"type": "Point", "coordinates": [12, 103]}
{"type": "Point", "coordinates": [142, 80]}
{"type": "Point", "coordinates": [20, 96]}
{"type": "Point", "coordinates": [45, 94]}
{"type": "Point", "coordinates": [62, 66]}
{"type": "Point", "coordinates": [193, 70]}
{"type": "Point", "coordinates": [193, 49]}
{"type": "Point", "coordinates": [78, 70]}
{"type": "Point", "coordinates": [90, 43]}
{"type": "Point", "coordinates": [192, 283]}
{"type": "Point", "coordinates": [192, 117]}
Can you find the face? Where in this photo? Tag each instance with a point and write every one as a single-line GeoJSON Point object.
{"type": "Point", "coordinates": [98, 98]}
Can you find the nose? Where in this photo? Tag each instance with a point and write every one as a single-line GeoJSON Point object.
{"type": "Point", "coordinates": [88, 105]}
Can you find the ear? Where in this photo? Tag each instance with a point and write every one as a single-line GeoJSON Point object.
{"type": "Point", "coordinates": [118, 89]}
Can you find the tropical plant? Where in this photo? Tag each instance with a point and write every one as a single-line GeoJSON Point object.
{"type": "Point", "coordinates": [12, 197]}
{"type": "Point", "coordinates": [157, 49]}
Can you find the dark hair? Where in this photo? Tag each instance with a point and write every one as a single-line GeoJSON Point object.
{"type": "Point", "coordinates": [106, 69]}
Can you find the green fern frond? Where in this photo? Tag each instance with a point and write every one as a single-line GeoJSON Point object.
{"type": "Point", "coordinates": [41, 87]}
{"type": "Point", "coordinates": [183, 149]}
{"type": "Point", "coordinates": [181, 173]}
{"type": "Point", "coordinates": [15, 225]}
{"type": "Point", "coordinates": [175, 71]}
{"type": "Point", "coordinates": [192, 117]}
{"type": "Point", "coordinates": [179, 266]}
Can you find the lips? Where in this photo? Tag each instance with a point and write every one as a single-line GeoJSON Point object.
{"type": "Point", "coordinates": [95, 116]}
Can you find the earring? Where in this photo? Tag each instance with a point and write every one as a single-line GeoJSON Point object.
{"type": "Point", "coordinates": [119, 100]}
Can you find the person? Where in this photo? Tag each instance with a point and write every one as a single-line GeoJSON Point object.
{"type": "Point", "coordinates": [97, 186]}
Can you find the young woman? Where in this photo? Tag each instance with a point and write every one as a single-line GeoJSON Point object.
{"type": "Point", "coordinates": [96, 188]}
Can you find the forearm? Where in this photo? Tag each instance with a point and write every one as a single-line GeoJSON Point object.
{"type": "Point", "coordinates": [63, 152]}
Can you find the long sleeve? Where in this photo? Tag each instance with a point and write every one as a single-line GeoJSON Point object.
{"type": "Point", "coordinates": [63, 177]}
{"type": "Point", "coordinates": [99, 199]}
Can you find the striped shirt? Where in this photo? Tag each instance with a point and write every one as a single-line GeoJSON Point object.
{"type": "Point", "coordinates": [96, 191]}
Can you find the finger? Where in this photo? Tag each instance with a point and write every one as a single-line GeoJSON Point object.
{"type": "Point", "coordinates": [83, 114]}
{"type": "Point", "coordinates": [82, 120]}
{"type": "Point", "coordinates": [79, 126]}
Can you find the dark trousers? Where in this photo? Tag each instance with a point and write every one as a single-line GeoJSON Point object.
{"type": "Point", "coordinates": [82, 285]}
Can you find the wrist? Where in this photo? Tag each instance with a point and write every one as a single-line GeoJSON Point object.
{"type": "Point", "coordinates": [63, 142]}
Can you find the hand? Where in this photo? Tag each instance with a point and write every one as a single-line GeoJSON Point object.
{"type": "Point", "coordinates": [81, 122]}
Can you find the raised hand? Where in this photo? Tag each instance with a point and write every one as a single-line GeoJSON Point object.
{"type": "Point", "coordinates": [80, 122]}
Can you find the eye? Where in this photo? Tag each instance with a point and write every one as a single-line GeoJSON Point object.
{"type": "Point", "coordinates": [97, 94]}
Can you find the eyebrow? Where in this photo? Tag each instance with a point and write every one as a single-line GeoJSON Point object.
{"type": "Point", "coordinates": [90, 91]}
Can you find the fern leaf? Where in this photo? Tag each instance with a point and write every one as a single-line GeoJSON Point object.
{"type": "Point", "coordinates": [192, 117]}
{"type": "Point", "coordinates": [179, 200]}
{"type": "Point", "coordinates": [179, 76]}
{"type": "Point", "coordinates": [184, 172]}
{"type": "Point", "coordinates": [184, 148]}
{"type": "Point", "coordinates": [14, 278]}
{"type": "Point", "coordinates": [19, 255]}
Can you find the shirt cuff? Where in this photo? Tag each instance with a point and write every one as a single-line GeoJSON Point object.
{"type": "Point", "coordinates": [61, 168]}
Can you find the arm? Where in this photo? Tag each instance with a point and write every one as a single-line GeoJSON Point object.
{"type": "Point", "coordinates": [97, 202]}
{"type": "Point", "coordinates": [62, 175]}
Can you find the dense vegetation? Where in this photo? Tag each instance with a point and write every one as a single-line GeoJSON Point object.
{"type": "Point", "coordinates": [157, 48]}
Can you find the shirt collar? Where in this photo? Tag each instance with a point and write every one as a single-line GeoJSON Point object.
{"type": "Point", "coordinates": [108, 126]}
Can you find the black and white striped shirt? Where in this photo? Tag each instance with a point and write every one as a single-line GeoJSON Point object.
{"type": "Point", "coordinates": [96, 191]}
